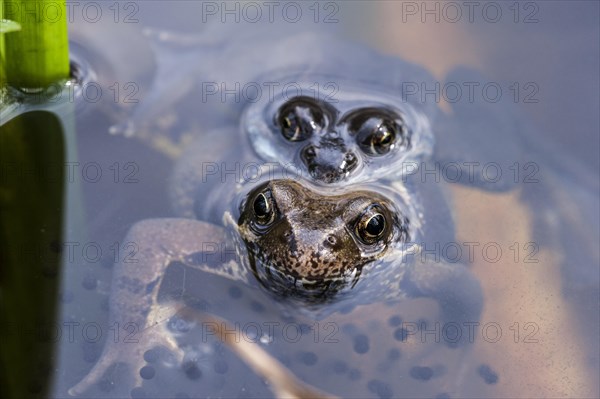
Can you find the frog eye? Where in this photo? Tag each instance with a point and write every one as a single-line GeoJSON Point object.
{"type": "Point", "coordinates": [299, 118]}
{"type": "Point", "coordinates": [377, 140]}
{"type": "Point", "coordinates": [377, 131]}
{"type": "Point", "coordinates": [372, 225]}
{"type": "Point", "coordinates": [264, 208]}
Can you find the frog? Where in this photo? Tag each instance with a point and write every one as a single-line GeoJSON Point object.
{"type": "Point", "coordinates": [314, 251]}
{"type": "Point", "coordinates": [257, 133]}
{"type": "Point", "coordinates": [374, 121]}
{"type": "Point", "coordinates": [368, 121]}
{"type": "Point", "coordinates": [203, 202]}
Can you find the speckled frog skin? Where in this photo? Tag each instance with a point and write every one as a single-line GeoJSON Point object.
{"type": "Point", "coordinates": [312, 247]}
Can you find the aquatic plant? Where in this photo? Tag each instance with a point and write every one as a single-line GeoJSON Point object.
{"type": "Point", "coordinates": [36, 55]}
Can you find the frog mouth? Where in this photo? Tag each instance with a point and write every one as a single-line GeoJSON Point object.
{"type": "Point", "coordinates": [310, 291]}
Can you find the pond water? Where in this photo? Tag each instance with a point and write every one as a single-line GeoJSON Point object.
{"type": "Point", "coordinates": [528, 102]}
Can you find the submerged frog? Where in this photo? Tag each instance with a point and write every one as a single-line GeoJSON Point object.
{"type": "Point", "coordinates": [354, 136]}
{"type": "Point", "coordinates": [371, 120]}
{"type": "Point", "coordinates": [336, 126]}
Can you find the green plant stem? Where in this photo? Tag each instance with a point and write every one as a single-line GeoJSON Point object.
{"type": "Point", "coordinates": [37, 55]}
{"type": "Point", "coordinates": [32, 149]}
{"type": "Point", "coordinates": [2, 73]}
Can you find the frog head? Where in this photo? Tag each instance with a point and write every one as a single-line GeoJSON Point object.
{"type": "Point", "coordinates": [305, 244]}
{"type": "Point", "coordinates": [354, 135]}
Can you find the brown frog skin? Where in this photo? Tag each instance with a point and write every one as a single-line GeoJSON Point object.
{"type": "Point", "coordinates": [312, 246]}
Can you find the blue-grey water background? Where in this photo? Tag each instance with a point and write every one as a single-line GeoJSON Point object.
{"type": "Point", "coordinates": [547, 311]}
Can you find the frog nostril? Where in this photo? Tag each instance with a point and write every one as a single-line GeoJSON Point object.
{"type": "Point", "coordinates": [331, 240]}
{"type": "Point", "coordinates": [309, 153]}
{"type": "Point", "coordinates": [350, 162]}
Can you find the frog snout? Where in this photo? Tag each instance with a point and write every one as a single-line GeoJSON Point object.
{"type": "Point", "coordinates": [328, 164]}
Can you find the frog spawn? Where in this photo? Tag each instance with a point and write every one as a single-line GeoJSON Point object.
{"type": "Point", "coordinates": [339, 348]}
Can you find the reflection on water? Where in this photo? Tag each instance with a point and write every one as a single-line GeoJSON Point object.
{"type": "Point", "coordinates": [538, 334]}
